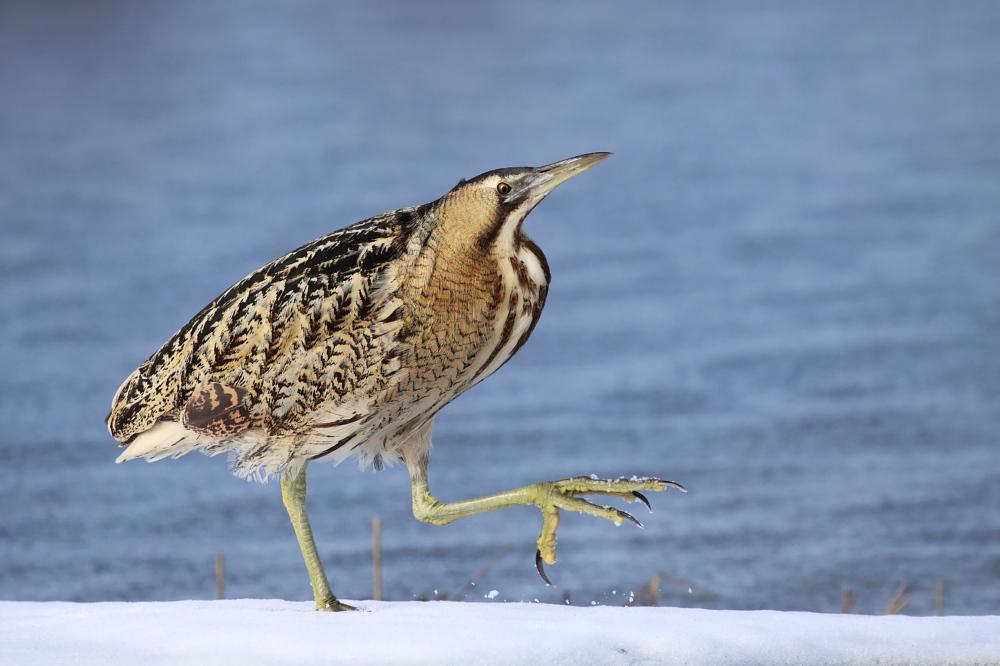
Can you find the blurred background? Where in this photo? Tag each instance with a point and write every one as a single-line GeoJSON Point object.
{"type": "Point", "coordinates": [783, 290]}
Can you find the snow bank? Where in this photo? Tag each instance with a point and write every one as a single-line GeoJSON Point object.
{"type": "Point", "coordinates": [441, 632]}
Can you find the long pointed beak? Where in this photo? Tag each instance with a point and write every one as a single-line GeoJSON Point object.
{"type": "Point", "coordinates": [542, 180]}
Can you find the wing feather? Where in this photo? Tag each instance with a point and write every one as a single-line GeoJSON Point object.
{"type": "Point", "coordinates": [299, 332]}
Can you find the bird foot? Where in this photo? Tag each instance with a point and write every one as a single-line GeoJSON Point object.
{"type": "Point", "coordinates": [333, 604]}
{"type": "Point", "coordinates": [565, 494]}
{"type": "Point", "coordinates": [549, 497]}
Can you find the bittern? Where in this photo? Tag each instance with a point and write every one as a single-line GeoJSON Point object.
{"type": "Point", "coordinates": [351, 344]}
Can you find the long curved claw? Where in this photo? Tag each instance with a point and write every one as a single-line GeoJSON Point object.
{"type": "Point", "coordinates": [628, 516]}
{"type": "Point", "coordinates": [642, 498]}
{"type": "Point", "coordinates": [541, 568]}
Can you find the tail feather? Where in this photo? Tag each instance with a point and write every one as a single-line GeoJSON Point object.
{"type": "Point", "coordinates": [166, 439]}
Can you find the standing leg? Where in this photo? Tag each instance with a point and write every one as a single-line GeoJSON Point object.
{"type": "Point", "coordinates": [293, 493]}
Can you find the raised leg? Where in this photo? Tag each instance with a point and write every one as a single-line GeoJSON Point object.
{"type": "Point", "coordinates": [549, 497]}
{"type": "Point", "coordinates": [293, 494]}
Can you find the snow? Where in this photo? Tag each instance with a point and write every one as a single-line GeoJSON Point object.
{"type": "Point", "coordinates": [442, 632]}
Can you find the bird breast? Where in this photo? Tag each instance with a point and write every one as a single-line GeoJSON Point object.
{"type": "Point", "coordinates": [469, 316]}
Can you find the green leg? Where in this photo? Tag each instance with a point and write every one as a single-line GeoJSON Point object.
{"type": "Point", "coordinates": [293, 493]}
{"type": "Point", "coordinates": [549, 497]}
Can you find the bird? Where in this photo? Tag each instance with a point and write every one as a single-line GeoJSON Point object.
{"type": "Point", "coordinates": [351, 344]}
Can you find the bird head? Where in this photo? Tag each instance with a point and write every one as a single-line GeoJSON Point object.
{"type": "Point", "coordinates": [493, 205]}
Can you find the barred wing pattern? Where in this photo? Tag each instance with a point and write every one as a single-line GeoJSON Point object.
{"type": "Point", "coordinates": [315, 325]}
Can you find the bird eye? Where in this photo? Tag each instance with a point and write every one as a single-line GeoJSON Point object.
{"type": "Point", "coordinates": [503, 188]}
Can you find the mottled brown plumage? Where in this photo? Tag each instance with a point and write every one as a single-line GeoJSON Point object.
{"type": "Point", "coordinates": [352, 343]}
{"type": "Point", "coordinates": [349, 343]}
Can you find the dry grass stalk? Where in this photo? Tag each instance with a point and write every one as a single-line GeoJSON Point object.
{"type": "Point", "coordinates": [220, 576]}
{"type": "Point", "coordinates": [654, 589]}
{"type": "Point", "coordinates": [847, 600]}
{"type": "Point", "coordinates": [898, 601]}
{"type": "Point", "coordinates": [648, 594]}
{"type": "Point", "coordinates": [377, 558]}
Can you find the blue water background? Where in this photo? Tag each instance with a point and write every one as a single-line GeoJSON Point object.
{"type": "Point", "coordinates": [783, 290]}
